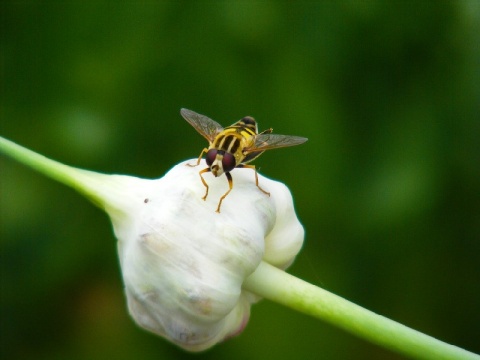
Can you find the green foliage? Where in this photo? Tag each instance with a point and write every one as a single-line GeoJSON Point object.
{"type": "Point", "coordinates": [387, 186]}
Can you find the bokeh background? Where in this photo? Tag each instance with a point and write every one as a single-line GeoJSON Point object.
{"type": "Point", "coordinates": [387, 187]}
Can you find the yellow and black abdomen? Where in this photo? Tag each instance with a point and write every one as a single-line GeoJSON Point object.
{"type": "Point", "coordinates": [233, 139]}
{"type": "Point", "coordinates": [226, 151]}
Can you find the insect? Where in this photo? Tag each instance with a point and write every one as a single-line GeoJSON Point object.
{"type": "Point", "coordinates": [234, 146]}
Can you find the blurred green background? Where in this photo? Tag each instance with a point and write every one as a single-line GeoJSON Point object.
{"type": "Point", "coordinates": [387, 187]}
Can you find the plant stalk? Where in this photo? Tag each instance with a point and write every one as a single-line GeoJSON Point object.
{"type": "Point", "coordinates": [278, 286]}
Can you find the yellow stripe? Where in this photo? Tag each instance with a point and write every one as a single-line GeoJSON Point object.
{"type": "Point", "coordinates": [240, 129]}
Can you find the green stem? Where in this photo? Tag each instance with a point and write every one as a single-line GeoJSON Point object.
{"type": "Point", "coordinates": [87, 182]}
{"type": "Point", "coordinates": [281, 287]}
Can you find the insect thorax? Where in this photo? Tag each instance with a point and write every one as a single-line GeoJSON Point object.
{"type": "Point", "coordinates": [234, 140]}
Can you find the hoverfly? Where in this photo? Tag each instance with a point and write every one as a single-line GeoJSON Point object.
{"type": "Point", "coordinates": [234, 146]}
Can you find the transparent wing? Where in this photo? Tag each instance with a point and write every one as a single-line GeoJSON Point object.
{"type": "Point", "coordinates": [274, 141]}
{"type": "Point", "coordinates": [208, 128]}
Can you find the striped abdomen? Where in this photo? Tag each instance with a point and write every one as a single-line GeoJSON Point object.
{"type": "Point", "coordinates": [233, 139]}
{"type": "Point", "coordinates": [226, 151]}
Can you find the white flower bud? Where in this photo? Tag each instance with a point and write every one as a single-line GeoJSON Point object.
{"type": "Point", "coordinates": [183, 264]}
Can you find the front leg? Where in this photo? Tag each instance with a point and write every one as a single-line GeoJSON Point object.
{"type": "Point", "coordinates": [230, 187]}
{"type": "Point", "coordinates": [199, 159]}
{"type": "Point", "coordinates": [203, 180]}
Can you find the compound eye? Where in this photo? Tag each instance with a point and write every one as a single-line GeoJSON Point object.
{"type": "Point", "coordinates": [228, 162]}
{"type": "Point", "coordinates": [211, 155]}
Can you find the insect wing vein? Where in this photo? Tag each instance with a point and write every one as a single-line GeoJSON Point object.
{"type": "Point", "coordinates": [207, 127]}
{"type": "Point", "coordinates": [274, 141]}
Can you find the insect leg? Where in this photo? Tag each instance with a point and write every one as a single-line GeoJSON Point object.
{"type": "Point", "coordinates": [230, 185]}
{"type": "Point", "coordinates": [256, 176]}
{"type": "Point", "coordinates": [199, 158]}
{"type": "Point", "coordinates": [203, 180]}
